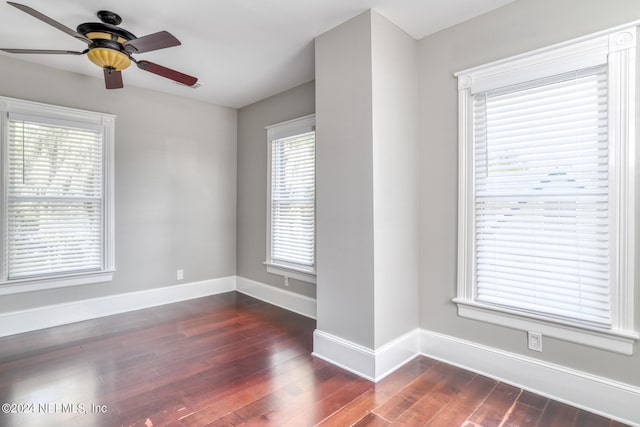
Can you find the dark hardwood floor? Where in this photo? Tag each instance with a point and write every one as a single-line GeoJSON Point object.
{"type": "Point", "coordinates": [231, 360]}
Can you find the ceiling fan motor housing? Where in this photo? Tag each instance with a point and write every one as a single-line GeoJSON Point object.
{"type": "Point", "coordinates": [107, 49]}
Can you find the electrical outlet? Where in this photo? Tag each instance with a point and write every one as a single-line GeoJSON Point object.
{"type": "Point", "coordinates": [179, 274]}
{"type": "Point", "coordinates": [534, 341]}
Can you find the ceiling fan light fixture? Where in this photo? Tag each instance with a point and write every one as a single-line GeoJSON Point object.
{"type": "Point", "coordinates": [111, 47]}
{"type": "Point", "coordinates": [104, 57]}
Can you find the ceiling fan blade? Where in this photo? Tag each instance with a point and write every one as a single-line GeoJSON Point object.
{"type": "Point", "coordinates": [50, 21]}
{"type": "Point", "coordinates": [155, 41]}
{"type": "Point", "coordinates": [113, 79]}
{"type": "Point", "coordinates": [43, 51]}
{"type": "Point", "coordinates": [167, 72]}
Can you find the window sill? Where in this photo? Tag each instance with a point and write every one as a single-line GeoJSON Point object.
{"type": "Point", "coordinates": [611, 340]}
{"type": "Point", "coordinates": [291, 272]}
{"type": "Point", "coordinates": [30, 285]}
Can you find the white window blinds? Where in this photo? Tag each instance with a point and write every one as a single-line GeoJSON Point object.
{"type": "Point", "coordinates": [293, 200]}
{"type": "Point", "coordinates": [541, 197]}
{"type": "Point", "coordinates": [55, 198]}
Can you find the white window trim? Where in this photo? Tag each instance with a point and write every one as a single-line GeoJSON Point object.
{"type": "Point", "coordinates": [106, 122]}
{"type": "Point", "coordinates": [291, 272]}
{"type": "Point", "coordinates": [276, 131]}
{"type": "Point", "coordinates": [615, 47]}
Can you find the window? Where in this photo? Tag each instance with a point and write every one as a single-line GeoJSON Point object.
{"type": "Point", "coordinates": [291, 199]}
{"type": "Point", "coordinates": [57, 221]}
{"type": "Point", "coordinates": [546, 191]}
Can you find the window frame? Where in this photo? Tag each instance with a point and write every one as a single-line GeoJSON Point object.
{"type": "Point", "coordinates": [616, 48]}
{"type": "Point", "coordinates": [276, 131]}
{"type": "Point", "coordinates": [79, 118]}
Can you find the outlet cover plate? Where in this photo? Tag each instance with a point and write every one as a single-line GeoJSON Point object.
{"type": "Point", "coordinates": [534, 341]}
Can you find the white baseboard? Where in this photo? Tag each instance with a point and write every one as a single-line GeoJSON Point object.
{"type": "Point", "coordinates": [373, 365]}
{"type": "Point", "coordinates": [343, 353]}
{"type": "Point", "coordinates": [291, 301]}
{"type": "Point", "coordinates": [396, 353]}
{"type": "Point", "coordinates": [596, 394]}
{"type": "Point", "coordinates": [60, 314]}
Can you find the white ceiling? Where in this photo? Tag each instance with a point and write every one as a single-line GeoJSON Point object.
{"type": "Point", "coordinates": [241, 50]}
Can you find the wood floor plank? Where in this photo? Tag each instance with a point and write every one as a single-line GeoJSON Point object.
{"type": "Point", "coordinates": [360, 407]}
{"type": "Point", "coordinates": [496, 406]}
{"type": "Point", "coordinates": [466, 402]}
{"type": "Point", "coordinates": [254, 386]}
{"type": "Point", "coordinates": [372, 420]}
{"type": "Point", "coordinates": [231, 360]}
{"type": "Point", "coordinates": [558, 414]}
{"type": "Point", "coordinates": [303, 400]}
{"type": "Point", "coordinates": [587, 419]}
{"type": "Point", "coordinates": [330, 403]}
{"type": "Point", "coordinates": [534, 400]}
{"type": "Point", "coordinates": [522, 415]}
{"type": "Point", "coordinates": [298, 392]}
{"type": "Point", "coordinates": [427, 406]}
{"type": "Point", "coordinates": [353, 411]}
{"type": "Point", "coordinates": [405, 398]}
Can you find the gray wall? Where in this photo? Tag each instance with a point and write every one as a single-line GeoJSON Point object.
{"type": "Point", "coordinates": [344, 187]}
{"type": "Point", "coordinates": [513, 29]}
{"type": "Point", "coordinates": [252, 181]}
{"type": "Point", "coordinates": [175, 181]}
{"type": "Point", "coordinates": [367, 181]}
{"type": "Point", "coordinates": [394, 57]}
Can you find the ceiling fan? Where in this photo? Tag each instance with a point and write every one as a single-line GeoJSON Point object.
{"type": "Point", "coordinates": [111, 47]}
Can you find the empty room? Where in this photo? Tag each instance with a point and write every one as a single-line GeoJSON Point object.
{"type": "Point", "coordinates": [333, 213]}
